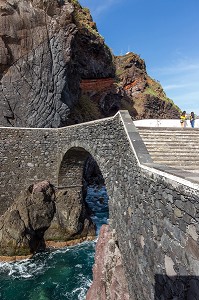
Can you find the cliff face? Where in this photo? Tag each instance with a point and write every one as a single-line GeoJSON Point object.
{"type": "Point", "coordinates": [145, 94]}
{"type": "Point", "coordinates": [50, 53]}
{"type": "Point", "coordinates": [43, 55]}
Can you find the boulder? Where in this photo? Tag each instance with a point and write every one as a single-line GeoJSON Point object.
{"type": "Point", "coordinates": [71, 220]}
{"type": "Point", "coordinates": [23, 225]}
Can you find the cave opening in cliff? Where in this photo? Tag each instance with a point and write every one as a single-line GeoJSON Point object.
{"type": "Point", "coordinates": [79, 173]}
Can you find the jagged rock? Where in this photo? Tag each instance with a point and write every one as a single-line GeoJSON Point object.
{"type": "Point", "coordinates": [23, 225]}
{"type": "Point", "coordinates": [142, 95]}
{"type": "Point", "coordinates": [44, 51]}
{"type": "Point", "coordinates": [71, 220]}
{"type": "Point", "coordinates": [109, 280]}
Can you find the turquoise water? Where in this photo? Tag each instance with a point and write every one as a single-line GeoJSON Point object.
{"type": "Point", "coordinates": [60, 274]}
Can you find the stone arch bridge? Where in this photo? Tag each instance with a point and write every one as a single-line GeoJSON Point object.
{"type": "Point", "coordinates": [154, 208]}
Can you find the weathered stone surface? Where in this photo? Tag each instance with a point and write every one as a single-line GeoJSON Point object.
{"type": "Point", "coordinates": [169, 266]}
{"type": "Point", "coordinates": [109, 280]}
{"type": "Point", "coordinates": [23, 225]}
{"type": "Point", "coordinates": [44, 53]}
{"type": "Point", "coordinates": [71, 220]}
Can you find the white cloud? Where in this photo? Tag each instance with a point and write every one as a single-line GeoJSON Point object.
{"type": "Point", "coordinates": [178, 68]}
{"type": "Point", "coordinates": [99, 7]}
{"type": "Point", "coordinates": [173, 86]}
{"type": "Point", "coordinates": [180, 81]}
{"type": "Point", "coordinates": [104, 5]}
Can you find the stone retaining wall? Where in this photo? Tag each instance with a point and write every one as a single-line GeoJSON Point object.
{"type": "Point", "coordinates": [155, 213]}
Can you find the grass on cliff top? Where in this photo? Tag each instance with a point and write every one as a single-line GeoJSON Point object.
{"type": "Point", "coordinates": [83, 19]}
{"type": "Point", "coordinates": [154, 88]}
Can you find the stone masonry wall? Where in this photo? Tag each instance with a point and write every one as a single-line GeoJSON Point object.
{"type": "Point", "coordinates": [156, 219]}
{"type": "Point", "coordinates": [29, 155]}
{"type": "Point", "coordinates": [155, 215]}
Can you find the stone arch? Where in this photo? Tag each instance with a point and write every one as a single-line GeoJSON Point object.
{"type": "Point", "coordinates": [71, 167]}
{"type": "Point", "coordinates": [73, 212]}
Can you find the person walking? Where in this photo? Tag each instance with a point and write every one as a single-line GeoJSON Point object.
{"type": "Point", "coordinates": [192, 119]}
{"type": "Point", "coordinates": [183, 118]}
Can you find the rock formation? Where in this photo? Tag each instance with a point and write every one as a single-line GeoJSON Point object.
{"type": "Point", "coordinates": [56, 70]}
{"type": "Point", "coordinates": [146, 95]}
{"type": "Point", "coordinates": [71, 220]}
{"type": "Point", "coordinates": [109, 281]}
{"type": "Point", "coordinates": [40, 62]}
{"type": "Point", "coordinates": [23, 225]}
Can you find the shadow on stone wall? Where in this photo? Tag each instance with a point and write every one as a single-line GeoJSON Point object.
{"type": "Point", "coordinates": [176, 287]}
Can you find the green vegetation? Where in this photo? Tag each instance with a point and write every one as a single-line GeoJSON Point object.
{"type": "Point", "coordinates": [151, 91]}
{"type": "Point", "coordinates": [83, 20]}
{"type": "Point", "coordinates": [86, 110]}
{"type": "Point", "coordinates": [154, 88]}
{"type": "Point", "coordinates": [75, 2]}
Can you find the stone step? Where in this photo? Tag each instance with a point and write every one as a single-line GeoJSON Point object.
{"type": "Point", "coordinates": [173, 151]}
{"type": "Point", "coordinates": [157, 149]}
{"type": "Point", "coordinates": [186, 143]}
{"type": "Point", "coordinates": [190, 131]}
{"type": "Point", "coordinates": [169, 135]}
{"type": "Point", "coordinates": [180, 162]}
{"type": "Point", "coordinates": [191, 168]}
{"type": "Point", "coordinates": [166, 137]}
{"type": "Point", "coordinates": [175, 161]}
{"type": "Point", "coordinates": [155, 134]}
{"type": "Point", "coordinates": [162, 140]}
{"type": "Point", "coordinates": [194, 157]}
{"type": "Point", "coordinates": [174, 148]}
{"type": "Point", "coordinates": [169, 130]}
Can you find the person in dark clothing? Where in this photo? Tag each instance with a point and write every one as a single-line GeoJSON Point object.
{"type": "Point", "coordinates": [192, 119]}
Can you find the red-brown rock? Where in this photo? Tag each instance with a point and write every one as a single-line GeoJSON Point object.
{"type": "Point", "coordinates": [109, 282]}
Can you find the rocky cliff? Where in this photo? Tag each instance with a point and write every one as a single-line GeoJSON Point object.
{"type": "Point", "coordinates": [56, 70]}
{"type": "Point", "coordinates": [109, 280]}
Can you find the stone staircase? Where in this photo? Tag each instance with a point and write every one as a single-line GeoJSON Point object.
{"type": "Point", "coordinates": [174, 147]}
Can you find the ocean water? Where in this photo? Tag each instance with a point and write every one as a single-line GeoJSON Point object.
{"type": "Point", "coordinates": [56, 274]}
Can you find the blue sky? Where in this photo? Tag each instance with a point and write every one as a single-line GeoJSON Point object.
{"type": "Point", "coordinates": [165, 33]}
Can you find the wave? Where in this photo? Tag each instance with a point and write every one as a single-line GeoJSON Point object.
{"type": "Point", "coordinates": [56, 274]}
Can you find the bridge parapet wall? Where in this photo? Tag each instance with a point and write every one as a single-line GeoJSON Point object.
{"type": "Point", "coordinates": [29, 155]}
{"type": "Point", "coordinates": [156, 216]}
{"type": "Point", "coordinates": [26, 156]}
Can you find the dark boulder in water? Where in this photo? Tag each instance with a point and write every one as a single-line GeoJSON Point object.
{"type": "Point", "coordinates": [71, 221]}
{"type": "Point", "coordinates": [23, 225]}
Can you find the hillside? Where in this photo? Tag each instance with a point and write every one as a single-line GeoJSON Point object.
{"type": "Point", "coordinates": [56, 70]}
